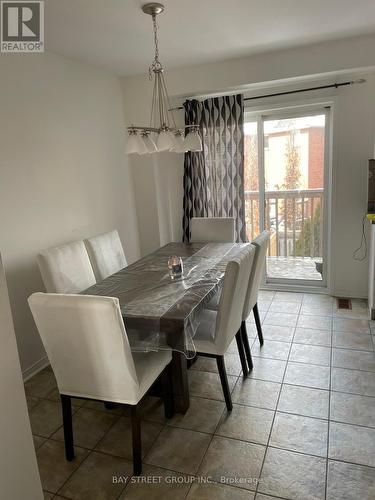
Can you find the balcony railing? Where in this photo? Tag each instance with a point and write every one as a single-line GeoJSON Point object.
{"type": "Point", "coordinates": [295, 219]}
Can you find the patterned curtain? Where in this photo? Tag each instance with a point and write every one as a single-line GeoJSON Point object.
{"type": "Point", "coordinates": [214, 178]}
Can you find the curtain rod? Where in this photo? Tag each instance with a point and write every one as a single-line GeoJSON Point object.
{"type": "Point", "coordinates": [320, 87]}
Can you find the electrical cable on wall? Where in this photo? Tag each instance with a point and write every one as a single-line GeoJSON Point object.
{"type": "Point", "coordinates": [363, 243]}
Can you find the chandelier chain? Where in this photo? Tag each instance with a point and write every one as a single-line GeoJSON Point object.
{"type": "Point", "coordinates": [156, 40]}
{"type": "Point", "coordinates": [156, 65]}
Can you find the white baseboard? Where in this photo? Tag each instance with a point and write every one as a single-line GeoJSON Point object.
{"type": "Point", "coordinates": [346, 294]}
{"type": "Point", "coordinates": [278, 287]}
{"type": "Point", "coordinates": [35, 368]}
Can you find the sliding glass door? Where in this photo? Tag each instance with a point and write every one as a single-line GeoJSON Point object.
{"type": "Point", "coordinates": [286, 192]}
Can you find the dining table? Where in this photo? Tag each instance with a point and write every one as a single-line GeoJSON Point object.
{"type": "Point", "coordinates": [160, 312]}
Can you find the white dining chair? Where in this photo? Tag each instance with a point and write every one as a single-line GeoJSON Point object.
{"type": "Point", "coordinates": [88, 348]}
{"type": "Point", "coordinates": [218, 328]}
{"type": "Point", "coordinates": [106, 254]}
{"type": "Point", "coordinates": [260, 243]}
{"type": "Point", "coordinates": [66, 268]}
{"type": "Point", "coordinates": [220, 229]}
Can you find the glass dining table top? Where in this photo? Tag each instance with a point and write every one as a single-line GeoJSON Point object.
{"type": "Point", "coordinates": [158, 310]}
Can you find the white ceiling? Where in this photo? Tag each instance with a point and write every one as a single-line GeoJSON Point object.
{"type": "Point", "coordinates": [116, 35]}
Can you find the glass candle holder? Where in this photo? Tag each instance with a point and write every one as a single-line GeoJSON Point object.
{"type": "Point", "coordinates": [175, 267]}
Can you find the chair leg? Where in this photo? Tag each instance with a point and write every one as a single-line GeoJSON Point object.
{"type": "Point", "coordinates": [137, 442]}
{"type": "Point", "coordinates": [245, 341]}
{"type": "Point", "coordinates": [241, 352]}
{"type": "Point", "coordinates": [257, 322]}
{"type": "Point", "coordinates": [166, 380]}
{"type": "Point", "coordinates": [224, 381]}
{"type": "Point", "coordinates": [66, 404]}
{"type": "Point", "coordinates": [191, 361]}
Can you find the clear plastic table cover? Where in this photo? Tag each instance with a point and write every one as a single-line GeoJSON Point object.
{"type": "Point", "coordinates": [161, 313]}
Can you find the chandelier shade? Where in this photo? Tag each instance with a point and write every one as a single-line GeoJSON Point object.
{"type": "Point", "coordinates": [135, 144]}
{"type": "Point", "coordinates": [180, 143]}
{"type": "Point", "coordinates": [193, 141]}
{"type": "Point", "coordinates": [161, 134]}
{"type": "Point", "coordinates": [165, 141]}
{"type": "Point", "coordinates": [149, 143]}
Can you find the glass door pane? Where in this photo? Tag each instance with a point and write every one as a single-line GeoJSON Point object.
{"type": "Point", "coordinates": [251, 174]}
{"type": "Point", "coordinates": [294, 194]}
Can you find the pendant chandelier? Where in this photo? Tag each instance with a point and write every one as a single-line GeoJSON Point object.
{"type": "Point", "coordinates": [162, 134]}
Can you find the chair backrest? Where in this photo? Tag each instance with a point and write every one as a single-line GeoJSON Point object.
{"type": "Point", "coordinates": [221, 229]}
{"type": "Point", "coordinates": [232, 297]}
{"type": "Point", "coordinates": [87, 345]}
{"type": "Point", "coordinates": [261, 245]}
{"type": "Point", "coordinates": [66, 269]}
{"type": "Point", "coordinates": [106, 254]}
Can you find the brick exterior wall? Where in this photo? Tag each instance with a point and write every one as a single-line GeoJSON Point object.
{"type": "Point", "coordinates": [316, 157]}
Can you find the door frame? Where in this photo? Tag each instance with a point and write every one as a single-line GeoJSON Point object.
{"type": "Point", "coordinates": [258, 114]}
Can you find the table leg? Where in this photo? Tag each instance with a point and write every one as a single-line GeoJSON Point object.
{"type": "Point", "coordinates": [180, 382]}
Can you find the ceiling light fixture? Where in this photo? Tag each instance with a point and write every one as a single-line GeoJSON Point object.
{"type": "Point", "coordinates": [162, 134]}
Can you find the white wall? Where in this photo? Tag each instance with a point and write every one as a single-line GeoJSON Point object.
{"type": "Point", "coordinates": [19, 475]}
{"type": "Point", "coordinates": [159, 194]}
{"type": "Point", "coordinates": [158, 178]}
{"type": "Point", "coordinates": [316, 59]}
{"type": "Point", "coordinates": [354, 129]}
{"type": "Point", "coordinates": [63, 171]}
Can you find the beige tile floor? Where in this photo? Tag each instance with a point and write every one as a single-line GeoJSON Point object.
{"type": "Point", "coordinates": [302, 425]}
